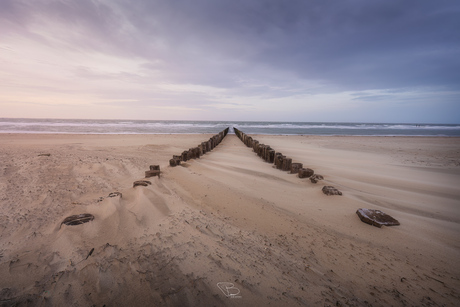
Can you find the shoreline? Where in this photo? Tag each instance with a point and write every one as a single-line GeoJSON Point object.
{"type": "Point", "coordinates": [229, 217]}
{"type": "Point", "coordinates": [232, 133]}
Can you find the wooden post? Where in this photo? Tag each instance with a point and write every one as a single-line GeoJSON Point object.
{"type": "Point", "coordinates": [203, 147]}
{"type": "Point", "coordinates": [295, 167]}
{"type": "Point", "coordinates": [191, 154]}
{"type": "Point", "coordinates": [260, 149]}
{"type": "Point", "coordinates": [305, 172]}
{"type": "Point", "coordinates": [287, 164]}
{"type": "Point", "coordinates": [267, 153]}
{"type": "Point", "coordinates": [271, 153]}
{"type": "Point", "coordinates": [279, 160]}
{"type": "Point", "coordinates": [249, 142]}
{"type": "Point", "coordinates": [184, 156]}
{"type": "Point", "coordinates": [255, 145]}
{"type": "Point", "coordinates": [152, 173]}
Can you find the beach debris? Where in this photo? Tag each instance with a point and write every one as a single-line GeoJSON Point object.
{"type": "Point", "coordinates": [44, 155]}
{"type": "Point", "coordinates": [295, 167]}
{"type": "Point", "coordinates": [315, 178]}
{"type": "Point", "coordinates": [141, 183]}
{"type": "Point", "coordinates": [305, 172]}
{"type": "Point", "coordinates": [115, 194]}
{"type": "Point", "coordinates": [376, 218]}
{"type": "Point", "coordinates": [90, 253]}
{"type": "Point", "coordinates": [78, 219]}
{"type": "Point", "coordinates": [330, 190]}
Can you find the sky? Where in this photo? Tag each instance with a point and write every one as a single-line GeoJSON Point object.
{"type": "Point", "coordinates": [258, 60]}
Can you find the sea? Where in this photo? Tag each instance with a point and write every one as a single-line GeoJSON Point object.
{"type": "Point", "coordinates": [92, 126]}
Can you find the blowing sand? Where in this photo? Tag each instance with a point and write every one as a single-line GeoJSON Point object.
{"type": "Point", "coordinates": [228, 229]}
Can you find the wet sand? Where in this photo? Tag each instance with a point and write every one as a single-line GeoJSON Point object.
{"type": "Point", "coordinates": [228, 229]}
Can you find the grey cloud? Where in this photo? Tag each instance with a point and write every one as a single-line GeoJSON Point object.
{"type": "Point", "coordinates": [346, 45]}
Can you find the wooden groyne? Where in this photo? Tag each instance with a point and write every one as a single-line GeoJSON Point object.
{"type": "Point", "coordinates": [279, 160]}
{"type": "Point", "coordinates": [370, 216]}
{"type": "Point", "coordinates": [201, 149]}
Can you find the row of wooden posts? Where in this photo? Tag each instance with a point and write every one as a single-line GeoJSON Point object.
{"type": "Point", "coordinates": [370, 216]}
{"type": "Point", "coordinates": [280, 161]}
{"type": "Point", "coordinates": [201, 149]}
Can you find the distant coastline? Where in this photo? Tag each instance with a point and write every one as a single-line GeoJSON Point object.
{"type": "Point", "coordinates": [89, 126]}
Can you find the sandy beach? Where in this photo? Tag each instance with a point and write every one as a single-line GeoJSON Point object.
{"type": "Point", "coordinates": [228, 229]}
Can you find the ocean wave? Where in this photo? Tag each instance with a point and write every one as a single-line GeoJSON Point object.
{"type": "Point", "coordinates": [181, 127]}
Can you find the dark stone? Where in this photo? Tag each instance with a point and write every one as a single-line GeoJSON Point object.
{"type": "Point", "coordinates": [376, 218]}
{"type": "Point", "coordinates": [329, 190]}
{"type": "Point", "coordinates": [154, 167]}
{"type": "Point", "coordinates": [306, 172]}
{"type": "Point", "coordinates": [315, 178]}
{"type": "Point", "coordinates": [78, 219]}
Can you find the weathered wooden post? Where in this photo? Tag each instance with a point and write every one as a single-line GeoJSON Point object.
{"type": "Point", "coordinates": [152, 173]}
{"type": "Point", "coordinates": [267, 153]}
{"type": "Point", "coordinates": [279, 160]}
{"type": "Point", "coordinates": [271, 154]}
{"type": "Point", "coordinates": [191, 154]}
{"type": "Point", "coordinates": [203, 147]}
{"type": "Point", "coordinates": [255, 146]}
{"type": "Point", "coordinates": [305, 172]}
{"type": "Point", "coordinates": [295, 167]}
{"type": "Point", "coordinates": [175, 160]}
{"type": "Point", "coordinates": [249, 142]}
{"type": "Point", "coordinates": [260, 149]}
{"type": "Point", "coordinates": [286, 164]}
{"type": "Point", "coordinates": [184, 156]}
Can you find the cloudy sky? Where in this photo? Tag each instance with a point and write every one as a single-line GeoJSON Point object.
{"type": "Point", "coordinates": [267, 60]}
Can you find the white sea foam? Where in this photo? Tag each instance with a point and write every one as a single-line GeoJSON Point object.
{"type": "Point", "coordinates": [180, 127]}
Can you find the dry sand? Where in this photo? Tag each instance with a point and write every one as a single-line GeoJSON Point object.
{"type": "Point", "coordinates": [228, 218]}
